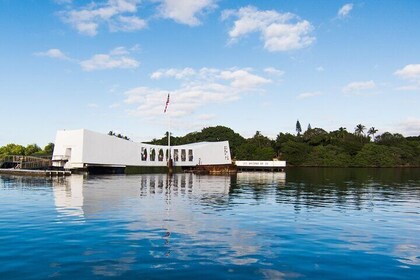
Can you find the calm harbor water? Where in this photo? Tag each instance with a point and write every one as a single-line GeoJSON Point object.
{"type": "Point", "coordinates": [306, 223]}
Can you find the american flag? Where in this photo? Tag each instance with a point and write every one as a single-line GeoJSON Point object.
{"type": "Point", "coordinates": [167, 103]}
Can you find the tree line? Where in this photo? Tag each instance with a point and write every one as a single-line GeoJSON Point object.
{"type": "Point", "coordinates": [29, 150]}
{"type": "Point", "coordinates": [315, 146]}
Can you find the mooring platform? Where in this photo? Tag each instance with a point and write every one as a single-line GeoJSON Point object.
{"type": "Point", "coordinates": [41, 173]}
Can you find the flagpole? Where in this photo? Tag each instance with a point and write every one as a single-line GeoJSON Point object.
{"type": "Point", "coordinates": [170, 162]}
{"type": "Point", "coordinates": [169, 136]}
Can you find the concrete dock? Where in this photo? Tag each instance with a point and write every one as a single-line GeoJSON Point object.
{"type": "Point", "coordinates": [40, 173]}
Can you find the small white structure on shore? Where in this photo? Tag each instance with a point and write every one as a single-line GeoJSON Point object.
{"type": "Point", "coordinates": [78, 149]}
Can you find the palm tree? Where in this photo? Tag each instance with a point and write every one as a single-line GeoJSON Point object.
{"type": "Point", "coordinates": [342, 132]}
{"type": "Point", "coordinates": [372, 131]}
{"type": "Point", "coordinates": [360, 130]}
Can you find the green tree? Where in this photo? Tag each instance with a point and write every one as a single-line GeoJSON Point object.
{"type": "Point", "coordinates": [251, 151]}
{"type": "Point", "coordinates": [281, 139]}
{"type": "Point", "coordinates": [261, 140]}
{"type": "Point", "coordinates": [342, 132]}
{"type": "Point", "coordinates": [32, 149]}
{"type": "Point", "coordinates": [389, 139]}
{"type": "Point", "coordinates": [372, 131]}
{"type": "Point", "coordinates": [12, 149]}
{"type": "Point", "coordinates": [295, 153]}
{"type": "Point", "coordinates": [328, 156]}
{"type": "Point", "coordinates": [359, 130]}
{"type": "Point", "coordinates": [298, 128]}
{"type": "Point", "coordinates": [316, 136]}
{"type": "Point", "coordinates": [49, 149]}
{"type": "Point", "coordinates": [374, 155]}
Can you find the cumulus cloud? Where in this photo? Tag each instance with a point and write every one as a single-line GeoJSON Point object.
{"type": "Point", "coordinates": [119, 15]}
{"type": "Point", "coordinates": [411, 73]}
{"type": "Point", "coordinates": [53, 53]}
{"type": "Point", "coordinates": [243, 79]}
{"type": "Point", "coordinates": [278, 31]}
{"type": "Point", "coordinates": [116, 58]}
{"type": "Point", "coordinates": [345, 10]}
{"type": "Point", "coordinates": [197, 88]}
{"type": "Point", "coordinates": [305, 95]}
{"type": "Point", "coordinates": [358, 87]}
{"type": "Point", "coordinates": [185, 11]}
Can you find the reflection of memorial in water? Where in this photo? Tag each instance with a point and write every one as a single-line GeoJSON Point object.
{"type": "Point", "coordinates": [183, 184]}
{"type": "Point", "coordinates": [180, 206]}
{"type": "Point", "coordinates": [68, 195]}
{"type": "Point", "coordinates": [173, 209]}
{"type": "Point", "coordinates": [78, 196]}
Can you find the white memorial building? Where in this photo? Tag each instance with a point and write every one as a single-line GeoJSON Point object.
{"type": "Point", "coordinates": [80, 149]}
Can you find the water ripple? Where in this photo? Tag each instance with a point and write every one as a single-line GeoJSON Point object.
{"type": "Point", "coordinates": [306, 223]}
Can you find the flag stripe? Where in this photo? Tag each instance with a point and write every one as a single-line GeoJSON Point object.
{"type": "Point", "coordinates": [167, 103]}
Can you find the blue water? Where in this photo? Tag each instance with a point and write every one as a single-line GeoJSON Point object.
{"type": "Point", "coordinates": [307, 223]}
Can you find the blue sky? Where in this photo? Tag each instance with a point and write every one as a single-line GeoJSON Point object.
{"type": "Point", "coordinates": [250, 65]}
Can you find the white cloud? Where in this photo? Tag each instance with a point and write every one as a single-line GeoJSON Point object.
{"type": "Point", "coordinates": [118, 14]}
{"type": "Point", "coordinates": [345, 10]}
{"type": "Point", "coordinates": [243, 79]}
{"type": "Point", "coordinates": [105, 61]}
{"type": "Point", "coordinates": [305, 95]}
{"type": "Point", "coordinates": [173, 73]}
{"type": "Point", "coordinates": [53, 53]}
{"type": "Point", "coordinates": [185, 11]}
{"type": "Point", "coordinates": [273, 71]}
{"type": "Point", "coordinates": [93, 105]}
{"type": "Point", "coordinates": [119, 51]}
{"type": "Point", "coordinates": [357, 87]}
{"type": "Point", "coordinates": [278, 31]}
{"type": "Point", "coordinates": [238, 78]}
{"type": "Point", "coordinates": [197, 88]}
{"type": "Point", "coordinates": [116, 58]}
{"type": "Point", "coordinates": [320, 69]}
{"type": "Point", "coordinates": [409, 72]}
{"type": "Point", "coordinates": [125, 23]}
